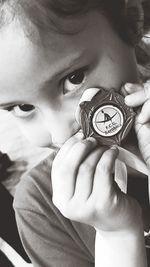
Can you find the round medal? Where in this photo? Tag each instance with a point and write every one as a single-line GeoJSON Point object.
{"type": "Point", "coordinates": [107, 120]}
{"type": "Point", "coordinates": [106, 117]}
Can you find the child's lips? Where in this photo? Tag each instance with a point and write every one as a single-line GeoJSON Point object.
{"type": "Point", "coordinates": [54, 146]}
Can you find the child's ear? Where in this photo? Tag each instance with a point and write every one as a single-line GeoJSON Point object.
{"type": "Point", "coordinates": [134, 16]}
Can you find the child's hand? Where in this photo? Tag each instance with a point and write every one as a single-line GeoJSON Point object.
{"type": "Point", "coordinates": [139, 96]}
{"type": "Point", "coordinates": [84, 189]}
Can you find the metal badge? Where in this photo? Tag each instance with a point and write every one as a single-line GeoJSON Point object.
{"type": "Point", "coordinates": [106, 117]}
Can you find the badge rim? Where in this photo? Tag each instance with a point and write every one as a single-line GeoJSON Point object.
{"type": "Point", "coordinates": [109, 105]}
{"type": "Point", "coordinates": [103, 97]}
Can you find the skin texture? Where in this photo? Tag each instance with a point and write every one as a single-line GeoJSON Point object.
{"type": "Point", "coordinates": [139, 97]}
{"type": "Point", "coordinates": [36, 75]}
{"type": "Point", "coordinates": [38, 80]}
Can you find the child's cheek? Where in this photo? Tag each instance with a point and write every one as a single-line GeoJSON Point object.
{"type": "Point", "coordinates": [36, 132]}
{"type": "Point", "coordinates": [41, 138]}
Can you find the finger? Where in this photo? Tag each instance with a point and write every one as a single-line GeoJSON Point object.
{"type": "Point", "coordinates": [103, 176]}
{"type": "Point", "coordinates": [64, 175]}
{"type": "Point", "coordinates": [66, 148]}
{"type": "Point", "coordinates": [142, 130]}
{"type": "Point", "coordinates": [144, 116]}
{"type": "Point", "coordinates": [84, 181]}
{"type": "Point", "coordinates": [136, 99]}
{"type": "Point", "coordinates": [139, 97]}
{"type": "Point", "coordinates": [78, 152]}
{"type": "Point", "coordinates": [131, 88]}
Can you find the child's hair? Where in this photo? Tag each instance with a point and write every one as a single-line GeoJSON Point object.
{"type": "Point", "coordinates": [127, 16]}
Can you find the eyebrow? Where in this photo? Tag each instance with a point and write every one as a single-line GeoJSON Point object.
{"type": "Point", "coordinates": [71, 66]}
{"type": "Point", "coordinates": [72, 63]}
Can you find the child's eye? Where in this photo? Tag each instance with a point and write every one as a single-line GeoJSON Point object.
{"type": "Point", "coordinates": [74, 81]}
{"type": "Point", "coordinates": [22, 110]}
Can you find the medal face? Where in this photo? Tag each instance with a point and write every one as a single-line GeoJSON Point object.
{"type": "Point", "coordinates": [108, 120]}
{"type": "Point", "coordinates": [106, 117]}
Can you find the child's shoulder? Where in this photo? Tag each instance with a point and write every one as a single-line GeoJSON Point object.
{"type": "Point", "coordinates": [35, 187]}
{"type": "Point", "coordinates": [34, 209]}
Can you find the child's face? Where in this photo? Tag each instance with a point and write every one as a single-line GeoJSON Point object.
{"type": "Point", "coordinates": [42, 85]}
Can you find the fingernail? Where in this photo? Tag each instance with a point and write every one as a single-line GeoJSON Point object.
{"type": "Point", "coordinates": [92, 139]}
{"type": "Point", "coordinates": [114, 147]}
{"type": "Point", "coordinates": [115, 150]}
{"type": "Point", "coordinates": [128, 87]}
{"type": "Point", "coordinates": [127, 100]}
{"type": "Point", "coordinates": [79, 134]}
{"type": "Point", "coordinates": [123, 91]}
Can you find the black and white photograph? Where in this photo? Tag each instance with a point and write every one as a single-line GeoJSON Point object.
{"type": "Point", "coordinates": [75, 133]}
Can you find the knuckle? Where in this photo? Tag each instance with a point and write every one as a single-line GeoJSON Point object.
{"type": "Point", "coordinates": [107, 160]}
{"type": "Point", "coordinates": [85, 168]}
{"type": "Point", "coordinates": [103, 206]}
{"type": "Point", "coordinates": [103, 167]}
{"type": "Point", "coordinates": [61, 206]}
{"type": "Point", "coordinates": [81, 214]}
{"type": "Point", "coordinates": [69, 212]}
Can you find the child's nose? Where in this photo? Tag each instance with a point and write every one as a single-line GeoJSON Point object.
{"type": "Point", "coordinates": [52, 120]}
{"type": "Point", "coordinates": [57, 124]}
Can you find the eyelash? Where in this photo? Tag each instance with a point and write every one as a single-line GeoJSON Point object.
{"type": "Point", "coordinates": [82, 70]}
{"type": "Point", "coordinates": [79, 71]}
{"type": "Point", "coordinates": [10, 108]}
{"type": "Point", "coordinates": [26, 113]}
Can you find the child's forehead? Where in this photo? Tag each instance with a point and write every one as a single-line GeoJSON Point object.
{"type": "Point", "coordinates": [72, 32]}
{"type": "Point", "coordinates": [57, 23]}
{"type": "Point", "coordinates": [62, 27]}
{"type": "Point", "coordinates": [16, 44]}
{"type": "Point", "coordinates": [28, 64]}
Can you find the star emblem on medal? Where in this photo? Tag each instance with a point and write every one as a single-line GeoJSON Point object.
{"type": "Point", "coordinates": [106, 117]}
